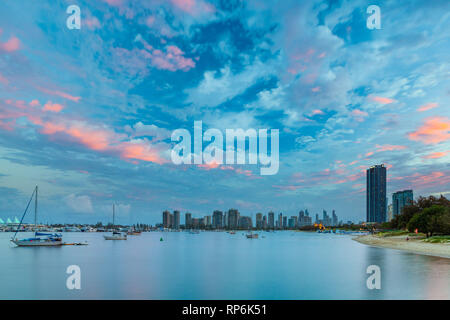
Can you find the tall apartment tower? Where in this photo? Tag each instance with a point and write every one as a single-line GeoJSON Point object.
{"type": "Point", "coordinates": [176, 219]}
{"type": "Point", "coordinates": [167, 219]}
{"type": "Point", "coordinates": [217, 219]}
{"type": "Point", "coordinates": [271, 219]}
{"type": "Point", "coordinates": [376, 194]}
{"type": "Point", "coordinates": [233, 219]}
{"type": "Point", "coordinates": [188, 220]}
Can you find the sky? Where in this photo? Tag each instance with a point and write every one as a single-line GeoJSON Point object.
{"type": "Point", "coordinates": [87, 114]}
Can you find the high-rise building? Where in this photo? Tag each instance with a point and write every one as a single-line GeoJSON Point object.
{"type": "Point", "coordinates": [271, 221]}
{"type": "Point", "coordinates": [217, 219]}
{"type": "Point", "coordinates": [334, 219]}
{"type": "Point", "coordinates": [167, 219]}
{"type": "Point", "coordinates": [188, 220]}
{"type": "Point", "coordinates": [259, 221]}
{"type": "Point", "coordinates": [376, 194]}
{"type": "Point", "coordinates": [401, 199]}
{"type": "Point", "coordinates": [280, 220]}
{"type": "Point", "coordinates": [207, 221]}
{"type": "Point", "coordinates": [245, 222]}
{"type": "Point", "coordinates": [301, 214]}
{"type": "Point", "coordinates": [317, 219]}
{"type": "Point", "coordinates": [304, 219]}
{"type": "Point", "coordinates": [293, 222]}
{"type": "Point", "coordinates": [285, 222]}
{"type": "Point", "coordinates": [225, 220]}
{"type": "Point", "coordinates": [176, 219]}
{"type": "Point", "coordinates": [326, 220]}
{"type": "Point", "coordinates": [233, 219]}
{"type": "Point", "coordinates": [264, 222]}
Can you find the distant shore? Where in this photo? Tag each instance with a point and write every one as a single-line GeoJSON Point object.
{"type": "Point", "coordinates": [414, 245]}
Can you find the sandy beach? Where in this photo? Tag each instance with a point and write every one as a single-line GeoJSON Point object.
{"type": "Point", "coordinates": [415, 245]}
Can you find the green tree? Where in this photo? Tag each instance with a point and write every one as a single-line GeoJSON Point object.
{"type": "Point", "coordinates": [435, 219]}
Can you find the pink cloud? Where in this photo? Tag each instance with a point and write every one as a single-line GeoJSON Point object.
{"type": "Point", "coordinates": [434, 130]}
{"type": "Point", "coordinates": [381, 100]}
{"type": "Point", "coordinates": [11, 45]}
{"type": "Point", "coordinates": [92, 23]}
{"type": "Point", "coordinates": [114, 3]}
{"type": "Point", "coordinates": [53, 107]}
{"type": "Point", "coordinates": [209, 166]}
{"type": "Point", "coordinates": [317, 111]}
{"type": "Point", "coordinates": [98, 138]}
{"type": "Point", "coordinates": [184, 5]}
{"type": "Point", "coordinates": [388, 147]}
{"type": "Point", "coordinates": [60, 94]}
{"type": "Point", "coordinates": [359, 115]}
{"type": "Point", "coordinates": [427, 106]}
{"type": "Point", "coordinates": [436, 155]}
{"type": "Point", "coordinates": [34, 103]}
{"type": "Point", "coordinates": [173, 59]}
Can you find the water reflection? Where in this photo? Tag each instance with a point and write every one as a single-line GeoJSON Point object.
{"type": "Point", "coordinates": [217, 265]}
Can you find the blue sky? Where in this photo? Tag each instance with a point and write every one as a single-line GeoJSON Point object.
{"type": "Point", "coordinates": [87, 114]}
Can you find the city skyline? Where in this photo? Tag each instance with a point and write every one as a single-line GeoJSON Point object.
{"type": "Point", "coordinates": [232, 219]}
{"type": "Point", "coordinates": [88, 114]}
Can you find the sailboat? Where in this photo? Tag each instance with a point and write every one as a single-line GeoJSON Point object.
{"type": "Point", "coordinates": [40, 239]}
{"type": "Point", "coordinates": [116, 235]}
{"type": "Point", "coordinates": [251, 235]}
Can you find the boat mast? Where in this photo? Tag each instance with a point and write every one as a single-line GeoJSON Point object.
{"type": "Point", "coordinates": [35, 209]}
{"type": "Point", "coordinates": [113, 216]}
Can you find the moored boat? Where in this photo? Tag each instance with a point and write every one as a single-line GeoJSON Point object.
{"type": "Point", "coordinates": [252, 235]}
{"type": "Point", "coordinates": [116, 235]}
{"type": "Point", "coordinates": [40, 239]}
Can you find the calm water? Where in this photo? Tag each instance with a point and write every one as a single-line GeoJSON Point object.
{"type": "Point", "coordinates": [217, 265]}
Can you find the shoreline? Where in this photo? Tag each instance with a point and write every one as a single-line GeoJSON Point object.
{"type": "Point", "coordinates": [414, 245]}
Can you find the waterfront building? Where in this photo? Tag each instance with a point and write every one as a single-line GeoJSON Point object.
{"type": "Point", "coordinates": [376, 194]}
{"type": "Point", "coordinates": [271, 221]}
{"type": "Point", "coordinates": [264, 222]}
{"type": "Point", "coordinates": [301, 214]}
{"type": "Point", "coordinates": [195, 223]}
{"type": "Point", "coordinates": [326, 220]}
{"type": "Point", "coordinates": [176, 219]}
{"type": "Point", "coordinates": [217, 219]}
{"type": "Point", "coordinates": [208, 221]}
{"type": "Point", "coordinates": [293, 222]}
{"type": "Point", "coordinates": [401, 199]}
{"type": "Point", "coordinates": [167, 219]}
{"type": "Point", "coordinates": [285, 222]}
{"type": "Point", "coordinates": [334, 219]}
{"type": "Point", "coordinates": [259, 221]}
{"type": "Point", "coordinates": [188, 220]}
{"type": "Point", "coordinates": [280, 220]}
{"type": "Point", "coordinates": [233, 218]}
{"type": "Point", "coordinates": [304, 219]}
{"type": "Point", "coordinates": [245, 222]}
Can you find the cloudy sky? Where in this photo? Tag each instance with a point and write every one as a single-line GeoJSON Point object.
{"type": "Point", "coordinates": [87, 114]}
